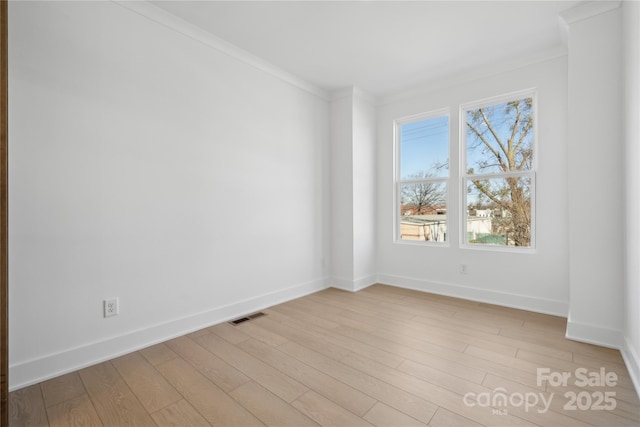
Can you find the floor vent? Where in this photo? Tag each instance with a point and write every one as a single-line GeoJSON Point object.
{"type": "Point", "coordinates": [247, 318]}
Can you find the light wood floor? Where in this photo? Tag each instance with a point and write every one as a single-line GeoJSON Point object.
{"type": "Point", "coordinates": [383, 356]}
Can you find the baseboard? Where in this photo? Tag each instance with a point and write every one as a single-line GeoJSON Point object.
{"type": "Point", "coordinates": [36, 370]}
{"type": "Point", "coordinates": [632, 361]}
{"type": "Point", "coordinates": [539, 305]}
{"type": "Point", "coordinates": [596, 335]}
{"type": "Point", "coordinates": [353, 285]}
{"type": "Point", "coordinates": [608, 338]}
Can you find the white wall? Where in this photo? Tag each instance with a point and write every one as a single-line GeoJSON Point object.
{"type": "Point", "coordinates": [147, 165]}
{"type": "Point", "coordinates": [353, 212]}
{"type": "Point", "coordinates": [535, 281]}
{"type": "Point", "coordinates": [596, 260]}
{"type": "Point", "coordinates": [631, 55]}
{"type": "Point", "coordinates": [364, 191]}
{"type": "Point", "coordinates": [342, 267]}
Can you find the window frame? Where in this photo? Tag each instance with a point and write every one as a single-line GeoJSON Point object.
{"type": "Point", "coordinates": [530, 173]}
{"type": "Point", "coordinates": [398, 181]}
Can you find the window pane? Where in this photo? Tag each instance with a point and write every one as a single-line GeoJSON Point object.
{"type": "Point", "coordinates": [499, 211]}
{"type": "Point", "coordinates": [423, 211]}
{"type": "Point", "coordinates": [424, 149]}
{"type": "Point", "coordinates": [499, 137]}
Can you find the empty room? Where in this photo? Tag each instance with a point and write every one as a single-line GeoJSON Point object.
{"type": "Point", "coordinates": [320, 213]}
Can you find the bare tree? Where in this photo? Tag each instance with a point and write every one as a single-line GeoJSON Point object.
{"type": "Point", "coordinates": [421, 197]}
{"type": "Point", "coordinates": [500, 137]}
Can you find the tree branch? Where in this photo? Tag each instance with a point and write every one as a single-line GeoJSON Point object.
{"type": "Point", "coordinates": [514, 132]}
{"type": "Point", "coordinates": [493, 132]}
{"type": "Point", "coordinates": [486, 143]}
{"type": "Point", "coordinates": [489, 194]}
{"type": "Point", "coordinates": [525, 132]}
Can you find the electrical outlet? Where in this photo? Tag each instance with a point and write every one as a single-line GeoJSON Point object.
{"type": "Point", "coordinates": [111, 307]}
{"type": "Point", "coordinates": [463, 268]}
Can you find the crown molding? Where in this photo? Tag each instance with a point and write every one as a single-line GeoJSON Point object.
{"type": "Point", "coordinates": [588, 9]}
{"type": "Point", "coordinates": [352, 91]}
{"type": "Point", "coordinates": [341, 93]}
{"type": "Point", "coordinates": [475, 74]}
{"type": "Point", "coordinates": [194, 32]}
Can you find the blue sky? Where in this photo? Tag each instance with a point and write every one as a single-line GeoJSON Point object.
{"type": "Point", "coordinates": [423, 144]}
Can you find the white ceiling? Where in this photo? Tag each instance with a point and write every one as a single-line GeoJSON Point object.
{"type": "Point", "coordinates": [381, 47]}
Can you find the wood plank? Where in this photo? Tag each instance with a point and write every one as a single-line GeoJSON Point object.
{"type": "Point", "coordinates": [491, 341]}
{"type": "Point", "coordinates": [113, 400]}
{"type": "Point", "coordinates": [395, 307]}
{"type": "Point", "coordinates": [604, 353]}
{"type": "Point", "coordinates": [536, 413]}
{"type": "Point", "coordinates": [382, 415]}
{"type": "Point", "coordinates": [596, 362]}
{"type": "Point", "coordinates": [151, 389]}
{"type": "Point", "coordinates": [446, 301]}
{"type": "Point", "coordinates": [433, 319]}
{"type": "Point", "coordinates": [441, 320]}
{"type": "Point", "coordinates": [540, 342]}
{"type": "Point", "coordinates": [488, 319]}
{"type": "Point", "coordinates": [26, 407]}
{"type": "Point", "coordinates": [547, 327]}
{"type": "Point", "coordinates": [179, 414]}
{"type": "Point", "coordinates": [340, 393]}
{"type": "Point", "coordinates": [461, 358]}
{"type": "Point", "coordinates": [228, 332]}
{"type": "Point", "coordinates": [293, 313]}
{"type": "Point", "coordinates": [62, 388]}
{"type": "Point", "coordinates": [627, 410]}
{"type": "Point", "coordinates": [411, 296]}
{"type": "Point", "coordinates": [368, 315]}
{"type": "Point", "coordinates": [395, 397]}
{"type": "Point", "coordinates": [368, 307]}
{"type": "Point", "coordinates": [217, 370]}
{"type": "Point", "coordinates": [208, 399]}
{"type": "Point", "coordinates": [328, 312]}
{"type": "Point", "coordinates": [325, 412]}
{"type": "Point", "coordinates": [311, 340]}
{"type": "Point", "coordinates": [445, 418]}
{"type": "Point", "coordinates": [158, 353]}
{"type": "Point", "coordinates": [418, 331]}
{"type": "Point", "coordinates": [423, 312]}
{"type": "Point", "coordinates": [530, 317]}
{"type": "Point", "coordinates": [566, 366]}
{"type": "Point", "coordinates": [269, 408]}
{"type": "Point", "coordinates": [198, 333]}
{"type": "Point", "coordinates": [440, 396]}
{"type": "Point", "coordinates": [558, 414]}
{"type": "Point", "coordinates": [622, 394]}
{"type": "Point", "coordinates": [337, 343]}
{"type": "Point", "coordinates": [434, 376]}
{"type": "Point", "coordinates": [529, 369]}
{"type": "Point", "coordinates": [254, 330]}
{"type": "Point", "coordinates": [433, 360]}
{"type": "Point", "coordinates": [273, 380]}
{"type": "Point", "coordinates": [78, 411]}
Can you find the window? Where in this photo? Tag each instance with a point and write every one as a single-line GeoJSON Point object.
{"type": "Point", "coordinates": [498, 171]}
{"type": "Point", "coordinates": [422, 175]}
